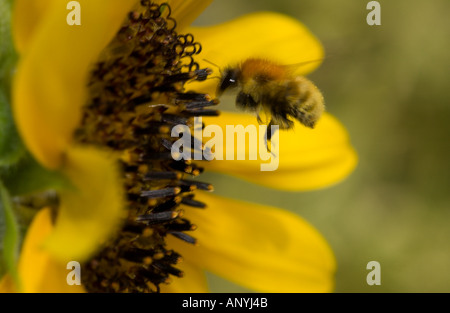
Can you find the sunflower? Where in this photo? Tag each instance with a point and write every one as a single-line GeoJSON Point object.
{"type": "Point", "coordinates": [95, 104]}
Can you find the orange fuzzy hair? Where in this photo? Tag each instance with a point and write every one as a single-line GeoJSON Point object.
{"type": "Point", "coordinates": [269, 70]}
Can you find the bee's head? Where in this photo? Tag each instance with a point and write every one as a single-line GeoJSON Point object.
{"type": "Point", "coordinates": [229, 79]}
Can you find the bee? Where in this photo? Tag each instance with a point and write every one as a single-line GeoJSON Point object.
{"type": "Point", "coordinates": [264, 85]}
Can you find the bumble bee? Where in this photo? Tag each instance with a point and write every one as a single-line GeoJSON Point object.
{"type": "Point", "coordinates": [273, 88]}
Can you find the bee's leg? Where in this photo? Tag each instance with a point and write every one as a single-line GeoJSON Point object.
{"type": "Point", "coordinates": [269, 135]}
{"type": "Point", "coordinates": [305, 117]}
{"type": "Point", "coordinates": [258, 116]}
{"type": "Point", "coordinates": [245, 101]}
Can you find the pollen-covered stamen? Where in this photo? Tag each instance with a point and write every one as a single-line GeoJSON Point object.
{"type": "Point", "coordinates": [154, 128]}
{"type": "Point", "coordinates": [203, 74]}
{"type": "Point", "coordinates": [200, 104]}
{"type": "Point", "coordinates": [150, 156]}
{"type": "Point", "coordinates": [201, 112]}
{"type": "Point", "coordinates": [198, 184]}
{"type": "Point", "coordinates": [193, 203]}
{"type": "Point", "coordinates": [138, 255]}
{"type": "Point", "coordinates": [196, 144]}
{"type": "Point", "coordinates": [168, 269]}
{"type": "Point", "coordinates": [181, 225]}
{"type": "Point", "coordinates": [135, 228]}
{"type": "Point", "coordinates": [161, 193]}
{"type": "Point", "coordinates": [181, 77]}
{"type": "Point", "coordinates": [162, 175]}
{"type": "Point", "coordinates": [173, 258]}
{"type": "Point", "coordinates": [166, 143]}
{"type": "Point", "coordinates": [187, 188]}
{"type": "Point", "coordinates": [192, 96]}
{"type": "Point", "coordinates": [182, 166]}
{"type": "Point", "coordinates": [196, 170]}
{"type": "Point", "coordinates": [159, 217]}
{"type": "Point", "coordinates": [136, 97]}
{"type": "Point", "coordinates": [184, 237]}
{"type": "Point", "coordinates": [175, 119]}
{"type": "Point", "coordinates": [168, 205]}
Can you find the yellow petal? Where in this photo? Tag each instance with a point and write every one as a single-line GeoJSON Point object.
{"type": "Point", "coordinates": [38, 271]}
{"type": "Point", "coordinates": [307, 158]}
{"type": "Point", "coordinates": [266, 35]}
{"type": "Point", "coordinates": [186, 11]}
{"type": "Point", "coordinates": [49, 86]}
{"type": "Point", "coordinates": [259, 247]}
{"type": "Point", "coordinates": [91, 211]}
{"type": "Point", "coordinates": [7, 284]}
{"type": "Point", "coordinates": [28, 14]}
{"type": "Point", "coordinates": [193, 280]}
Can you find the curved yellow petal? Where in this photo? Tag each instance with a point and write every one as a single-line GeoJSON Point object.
{"type": "Point", "coordinates": [259, 247]}
{"type": "Point", "coordinates": [186, 11]}
{"type": "Point", "coordinates": [7, 284]}
{"type": "Point", "coordinates": [91, 211]}
{"type": "Point", "coordinates": [49, 86]}
{"type": "Point", "coordinates": [38, 271]}
{"type": "Point", "coordinates": [265, 34]}
{"type": "Point", "coordinates": [193, 280]}
{"type": "Point", "coordinates": [304, 158]}
{"type": "Point", "coordinates": [28, 14]}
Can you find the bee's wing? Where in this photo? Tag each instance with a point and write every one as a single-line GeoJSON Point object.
{"type": "Point", "coordinates": [296, 67]}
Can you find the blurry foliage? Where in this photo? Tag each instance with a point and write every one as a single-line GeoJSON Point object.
{"type": "Point", "coordinates": [388, 84]}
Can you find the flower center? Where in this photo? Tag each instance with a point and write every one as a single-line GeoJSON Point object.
{"type": "Point", "coordinates": [136, 96]}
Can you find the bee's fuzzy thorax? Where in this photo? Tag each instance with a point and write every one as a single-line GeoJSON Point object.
{"type": "Point", "coordinates": [262, 70]}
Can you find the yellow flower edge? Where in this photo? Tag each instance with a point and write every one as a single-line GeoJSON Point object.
{"type": "Point", "coordinates": [41, 272]}
{"type": "Point", "coordinates": [193, 280]}
{"type": "Point", "coordinates": [307, 159]}
{"type": "Point", "coordinates": [186, 11]}
{"type": "Point", "coordinates": [90, 211]}
{"type": "Point", "coordinates": [38, 270]}
{"type": "Point", "coordinates": [50, 83]}
{"type": "Point", "coordinates": [48, 92]}
{"type": "Point", "coordinates": [49, 87]}
{"type": "Point", "coordinates": [263, 248]}
{"type": "Point", "coordinates": [88, 214]}
{"type": "Point", "coordinates": [30, 13]}
{"type": "Point", "coordinates": [259, 247]}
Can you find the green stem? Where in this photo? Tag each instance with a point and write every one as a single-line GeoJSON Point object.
{"type": "Point", "coordinates": [11, 237]}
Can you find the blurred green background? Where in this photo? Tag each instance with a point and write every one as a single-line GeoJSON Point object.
{"type": "Point", "coordinates": [389, 85]}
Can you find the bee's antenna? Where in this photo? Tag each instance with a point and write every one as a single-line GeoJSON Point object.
{"type": "Point", "coordinates": [213, 77]}
{"type": "Point", "coordinates": [218, 67]}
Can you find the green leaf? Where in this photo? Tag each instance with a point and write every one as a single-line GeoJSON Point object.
{"type": "Point", "coordinates": [28, 177]}
{"type": "Point", "coordinates": [8, 55]}
{"type": "Point", "coordinates": [10, 234]}
{"type": "Point", "coordinates": [11, 146]}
